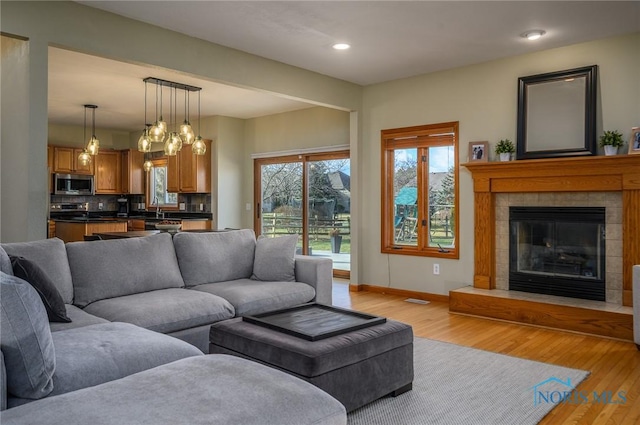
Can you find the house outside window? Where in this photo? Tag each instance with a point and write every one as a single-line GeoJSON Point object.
{"type": "Point", "coordinates": [420, 190]}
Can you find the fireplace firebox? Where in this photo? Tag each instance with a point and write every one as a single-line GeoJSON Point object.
{"type": "Point", "coordinates": [558, 251]}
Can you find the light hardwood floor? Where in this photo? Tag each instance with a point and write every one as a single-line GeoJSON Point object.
{"type": "Point", "coordinates": [614, 365]}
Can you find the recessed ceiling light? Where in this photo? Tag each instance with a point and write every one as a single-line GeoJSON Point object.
{"type": "Point", "coordinates": [341, 46]}
{"type": "Point", "coordinates": [533, 34]}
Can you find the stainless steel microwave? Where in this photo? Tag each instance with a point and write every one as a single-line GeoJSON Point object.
{"type": "Point", "coordinates": [73, 184]}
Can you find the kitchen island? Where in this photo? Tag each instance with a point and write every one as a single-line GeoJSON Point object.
{"type": "Point", "coordinates": [73, 230]}
{"type": "Point", "coordinates": [143, 233]}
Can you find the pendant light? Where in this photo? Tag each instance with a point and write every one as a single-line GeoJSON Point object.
{"type": "Point", "coordinates": [186, 132]}
{"type": "Point", "coordinates": [94, 144]}
{"type": "Point", "coordinates": [158, 130]}
{"type": "Point", "coordinates": [199, 147]}
{"type": "Point", "coordinates": [144, 144]}
{"type": "Point", "coordinates": [84, 158]}
{"type": "Point", "coordinates": [148, 165]}
{"type": "Point", "coordinates": [173, 143]}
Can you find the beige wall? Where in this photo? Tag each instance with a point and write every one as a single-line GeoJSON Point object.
{"type": "Point", "coordinates": [483, 98]}
{"type": "Point", "coordinates": [285, 133]}
{"type": "Point", "coordinates": [66, 135]}
{"type": "Point", "coordinates": [77, 27]}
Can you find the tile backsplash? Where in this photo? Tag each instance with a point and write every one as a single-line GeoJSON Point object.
{"type": "Point", "coordinates": [110, 202]}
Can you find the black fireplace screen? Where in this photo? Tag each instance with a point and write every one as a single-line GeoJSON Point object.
{"type": "Point", "coordinates": [558, 251]}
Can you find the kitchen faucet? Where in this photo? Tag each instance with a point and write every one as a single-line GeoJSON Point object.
{"type": "Point", "coordinates": [159, 212]}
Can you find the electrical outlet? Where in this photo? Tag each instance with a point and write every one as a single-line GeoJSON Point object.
{"type": "Point", "coordinates": [100, 206]}
{"type": "Point", "coordinates": [182, 206]}
{"type": "Point", "coordinates": [436, 268]}
{"type": "Point", "coordinates": [247, 206]}
{"type": "Point", "coordinates": [201, 207]}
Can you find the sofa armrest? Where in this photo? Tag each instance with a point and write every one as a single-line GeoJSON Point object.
{"type": "Point", "coordinates": [636, 305]}
{"type": "Point", "coordinates": [317, 272]}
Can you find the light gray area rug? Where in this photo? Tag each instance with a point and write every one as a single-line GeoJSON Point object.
{"type": "Point", "coordinates": [464, 386]}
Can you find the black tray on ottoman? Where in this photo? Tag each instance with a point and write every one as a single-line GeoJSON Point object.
{"type": "Point", "coordinates": [356, 366]}
{"type": "Point", "coordinates": [315, 321]}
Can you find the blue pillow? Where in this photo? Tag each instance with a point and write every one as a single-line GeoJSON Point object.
{"type": "Point", "coordinates": [36, 277]}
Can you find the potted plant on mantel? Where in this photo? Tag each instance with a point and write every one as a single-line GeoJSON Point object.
{"type": "Point", "coordinates": [611, 141]}
{"type": "Point", "coordinates": [505, 148]}
{"type": "Point", "coordinates": [336, 240]}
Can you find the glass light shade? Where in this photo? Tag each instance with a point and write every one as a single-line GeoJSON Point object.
{"type": "Point", "coordinates": [173, 144]}
{"type": "Point", "coordinates": [186, 133]}
{"type": "Point", "coordinates": [84, 158]}
{"type": "Point", "coordinates": [144, 144]}
{"type": "Point", "coordinates": [176, 139]}
{"type": "Point", "coordinates": [147, 166]}
{"type": "Point", "coordinates": [162, 123]}
{"type": "Point", "coordinates": [93, 146]}
{"type": "Point", "coordinates": [199, 147]}
{"type": "Point", "coordinates": [157, 133]}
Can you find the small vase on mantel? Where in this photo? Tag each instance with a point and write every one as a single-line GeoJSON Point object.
{"type": "Point", "coordinates": [505, 156]}
{"type": "Point", "coordinates": [610, 150]}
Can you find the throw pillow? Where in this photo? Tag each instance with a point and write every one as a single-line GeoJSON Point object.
{"type": "Point", "coordinates": [51, 298]}
{"type": "Point", "coordinates": [274, 259]}
{"type": "Point", "coordinates": [5, 262]}
{"type": "Point", "coordinates": [25, 340]}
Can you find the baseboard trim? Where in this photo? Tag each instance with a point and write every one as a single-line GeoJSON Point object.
{"type": "Point", "coordinates": [399, 292]}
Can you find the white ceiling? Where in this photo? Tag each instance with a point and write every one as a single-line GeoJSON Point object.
{"type": "Point", "coordinates": [390, 40]}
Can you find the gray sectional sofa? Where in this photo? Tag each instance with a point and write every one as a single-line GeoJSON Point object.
{"type": "Point", "coordinates": [140, 313]}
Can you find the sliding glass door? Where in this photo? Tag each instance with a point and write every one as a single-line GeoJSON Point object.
{"type": "Point", "coordinates": [308, 195]}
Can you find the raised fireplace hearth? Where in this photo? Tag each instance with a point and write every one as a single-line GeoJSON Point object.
{"type": "Point", "coordinates": [558, 251]}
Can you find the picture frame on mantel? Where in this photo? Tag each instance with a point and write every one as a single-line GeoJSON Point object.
{"type": "Point", "coordinates": [557, 114]}
{"type": "Point", "coordinates": [478, 151]}
{"type": "Point", "coordinates": [634, 141]}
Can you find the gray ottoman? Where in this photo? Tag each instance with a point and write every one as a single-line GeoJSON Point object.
{"type": "Point", "coordinates": [356, 367]}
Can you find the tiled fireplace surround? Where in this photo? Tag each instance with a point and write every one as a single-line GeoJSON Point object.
{"type": "Point", "coordinates": [612, 201]}
{"type": "Point", "coordinates": [609, 181]}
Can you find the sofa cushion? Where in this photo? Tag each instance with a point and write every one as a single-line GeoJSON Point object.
{"type": "Point", "coordinates": [51, 256]}
{"type": "Point", "coordinates": [95, 354]}
{"type": "Point", "coordinates": [79, 318]}
{"type": "Point", "coordinates": [5, 262]}
{"type": "Point", "coordinates": [38, 278]}
{"type": "Point", "coordinates": [165, 310]}
{"type": "Point", "coordinates": [275, 259]}
{"type": "Point", "coordinates": [214, 389]}
{"type": "Point", "coordinates": [118, 267]}
{"type": "Point", "coordinates": [25, 339]}
{"type": "Point", "coordinates": [216, 256]}
{"type": "Point", "coordinates": [254, 297]}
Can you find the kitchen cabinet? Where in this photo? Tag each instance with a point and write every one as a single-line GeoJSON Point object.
{"type": "Point", "coordinates": [108, 172]}
{"type": "Point", "coordinates": [196, 224]}
{"type": "Point", "coordinates": [189, 173]}
{"type": "Point", "coordinates": [134, 224]}
{"type": "Point", "coordinates": [65, 160]}
{"type": "Point", "coordinates": [133, 174]}
{"type": "Point", "coordinates": [73, 232]}
{"type": "Point", "coordinates": [51, 229]}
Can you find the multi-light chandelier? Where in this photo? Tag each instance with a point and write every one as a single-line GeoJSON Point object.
{"type": "Point", "coordinates": [172, 135]}
{"type": "Point", "coordinates": [93, 145]}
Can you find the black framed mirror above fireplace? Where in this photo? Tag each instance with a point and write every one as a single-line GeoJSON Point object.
{"type": "Point", "coordinates": [558, 251]}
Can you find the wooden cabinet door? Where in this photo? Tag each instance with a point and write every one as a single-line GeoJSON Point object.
{"type": "Point", "coordinates": [196, 224]}
{"type": "Point", "coordinates": [173, 174]}
{"type": "Point", "coordinates": [108, 172]}
{"type": "Point", "coordinates": [65, 160]}
{"type": "Point", "coordinates": [195, 170]}
{"type": "Point", "coordinates": [132, 172]}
